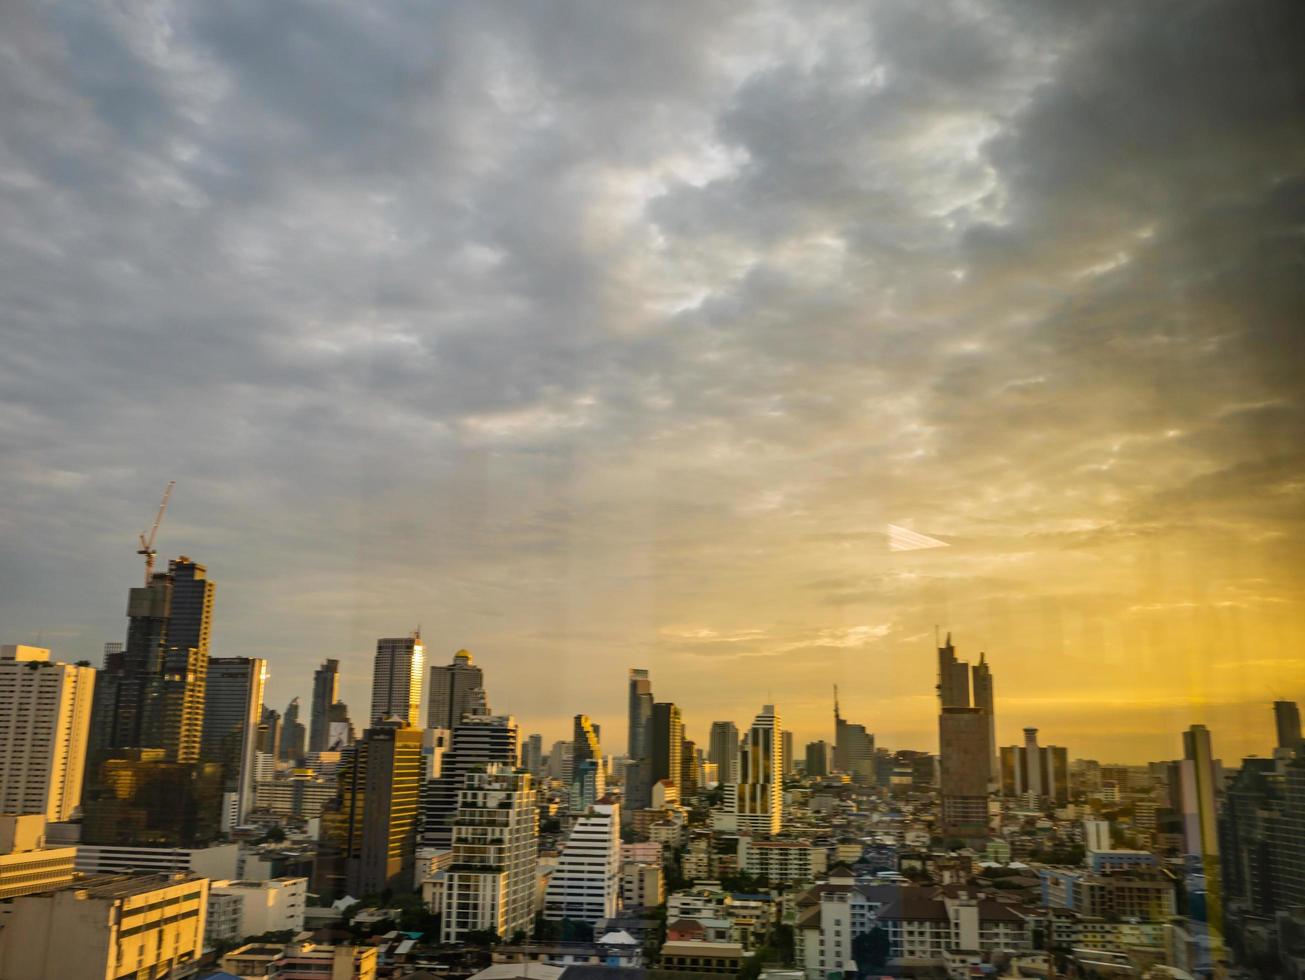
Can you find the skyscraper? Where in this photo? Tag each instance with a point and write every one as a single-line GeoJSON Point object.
{"type": "Point", "coordinates": [532, 754]}
{"type": "Point", "coordinates": [451, 690]}
{"type": "Point", "coordinates": [1041, 772]}
{"type": "Point", "coordinates": [819, 758]}
{"type": "Point", "coordinates": [953, 677]}
{"type": "Point", "coordinates": [292, 744]}
{"type": "Point", "coordinates": [963, 772]}
{"type": "Point", "coordinates": [723, 749]}
{"type": "Point", "coordinates": [477, 741]}
{"type": "Point", "coordinates": [372, 829]}
{"type": "Point", "coordinates": [1286, 719]}
{"type": "Point", "coordinates": [140, 798]}
{"type": "Point", "coordinates": [326, 691]}
{"type": "Point", "coordinates": [854, 748]}
{"type": "Point", "coordinates": [786, 752]}
{"type": "Point", "coordinates": [667, 742]}
{"type": "Point", "coordinates": [45, 718]}
{"type": "Point", "coordinates": [396, 678]}
{"type": "Point", "coordinates": [233, 708]}
{"type": "Point", "coordinates": [981, 678]}
{"type": "Point", "coordinates": [954, 692]}
{"type": "Point", "coordinates": [151, 691]}
{"type": "Point", "coordinates": [269, 733]}
{"type": "Point", "coordinates": [586, 885]}
{"type": "Point", "coordinates": [759, 794]}
{"type": "Point", "coordinates": [491, 883]}
{"type": "Point", "coordinates": [584, 740]}
{"type": "Point", "coordinates": [640, 714]}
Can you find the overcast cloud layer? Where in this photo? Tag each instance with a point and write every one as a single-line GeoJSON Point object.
{"type": "Point", "coordinates": [595, 335]}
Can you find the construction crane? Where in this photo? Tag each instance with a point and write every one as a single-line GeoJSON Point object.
{"type": "Point", "coordinates": [147, 543]}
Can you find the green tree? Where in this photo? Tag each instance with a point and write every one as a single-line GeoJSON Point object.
{"type": "Point", "coordinates": [871, 950]}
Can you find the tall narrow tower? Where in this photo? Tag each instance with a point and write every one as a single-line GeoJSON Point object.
{"type": "Point", "coordinates": [396, 679]}
{"type": "Point", "coordinates": [451, 691]}
{"type": "Point", "coordinates": [326, 691]}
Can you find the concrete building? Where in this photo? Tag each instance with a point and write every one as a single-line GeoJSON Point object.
{"type": "Point", "coordinates": [300, 796]}
{"type": "Point", "coordinates": [397, 675]}
{"type": "Point", "coordinates": [586, 884]}
{"type": "Point", "coordinates": [702, 957]}
{"type": "Point", "coordinates": [45, 718]}
{"type": "Point", "coordinates": [643, 884]}
{"type": "Point", "coordinates": [105, 927]}
{"type": "Point", "coordinates": [1038, 772]}
{"type": "Point", "coordinates": [251, 908]}
{"type": "Point", "coordinates": [27, 865]}
{"type": "Point", "coordinates": [303, 961]}
{"type": "Point", "coordinates": [640, 715]}
{"type": "Point", "coordinates": [451, 688]}
{"type": "Point", "coordinates": [781, 861]}
{"type": "Point", "coordinates": [723, 750]}
{"type": "Point", "coordinates": [1286, 723]}
{"type": "Point", "coordinates": [476, 741]}
{"type": "Point", "coordinates": [854, 748]}
{"type": "Point", "coordinates": [370, 838]}
{"type": "Point", "coordinates": [963, 772]}
{"type": "Point", "coordinates": [491, 883]}
{"type": "Point", "coordinates": [819, 758]}
{"type": "Point", "coordinates": [667, 742]}
{"type": "Point", "coordinates": [233, 708]}
{"type": "Point", "coordinates": [326, 691]}
{"type": "Point", "coordinates": [217, 861]}
{"type": "Point", "coordinates": [758, 800]}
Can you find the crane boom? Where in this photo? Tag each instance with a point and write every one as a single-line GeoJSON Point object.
{"type": "Point", "coordinates": [147, 543]}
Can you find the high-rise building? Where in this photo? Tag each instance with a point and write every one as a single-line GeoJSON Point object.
{"type": "Point", "coordinates": [584, 740]}
{"type": "Point", "coordinates": [1286, 719]}
{"type": "Point", "coordinates": [478, 740]}
{"type": "Point", "coordinates": [233, 707]}
{"type": "Point", "coordinates": [667, 742]}
{"type": "Point", "coordinates": [786, 752]}
{"type": "Point", "coordinates": [532, 755]}
{"type": "Point", "coordinates": [1041, 772]}
{"type": "Point", "coordinates": [854, 748]}
{"type": "Point", "coordinates": [451, 690]}
{"type": "Point", "coordinates": [108, 926]}
{"type": "Point", "coordinates": [723, 749]}
{"type": "Point", "coordinates": [561, 761]}
{"type": "Point", "coordinates": [586, 884]}
{"type": "Point", "coordinates": [150, 693]}
{"type": "Point", "coordinates": [396, 679]}
{"type": "Point", "coordinates": [640, 714]}
{"type": "Point", "coordinates": [370, 834]}
{"type": "Point", "coordinates": [269, 733]}
{"type": "Point", "coordinates": [45, 718]}
{"type": "Point", "coordinates": [139, 798]}
{"type": "Point", "coordinates": [293, 740]}
{"type": "Point", "coordinates": [963, 772]}
{"type": "Point", "coordinates": [981, 678]}
{"type": "Point", "coordinates": [339, 727]}
{"type": "Point", "coordinates": [326, 691]}
{"type": "Point", "coordinates": [689, 769]}
{"type": "Point", "coordinates": [588, 784]}
{"type": "Point", "coordinates": [819, 758]}
{"type": "Point", "coordinates": [953, 677]}
{"type": "Point", "coordinates": [490, 885]}
{"type": "Point", "coordinates": [758, 796]}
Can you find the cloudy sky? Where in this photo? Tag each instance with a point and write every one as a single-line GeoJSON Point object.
{"type": "Point", "coordinates": [597, 335]}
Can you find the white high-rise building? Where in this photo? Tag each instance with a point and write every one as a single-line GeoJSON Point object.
{"type": "Point", "coordinates": [45, 718]}
{"type": "Point", "coordinates": [586, 885]}
{"type": "Point", "coordinates": [758, 799]}
{"type": "Point", "coordinates": [397, 677]}
{"type": "Point", "coordinates": [491, 882]}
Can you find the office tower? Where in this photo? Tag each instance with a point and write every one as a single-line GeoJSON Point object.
{"type": "Point", "coordinates": [758, 797]}
{"type": "Point", "coordinates": [963, 772]}
{"type": "Point", "coordinates": [588, 784]}
{"type": "Point", "coordinates": [151, 691]}
{"type": "Point", "coordinates": [586, 884]}
{"type": "Point", "coordinates": [326, 691]}
{"type": "Point", "coordinates": [953, 678]}
{"type": "Point", "coordinates": [584, 740]}
{"type": "Point", "coordinates": [854, 748]}
{"type": "Point", "coordinates": [667, 742]}
{"type": "Point", "coordinates": [490, 886]}
{"type": "Point", "coordinates": [1286, 718]}
{"type": "Point", "coordinates": [108, 926]}
{"type": "Point", "coordinates": [640, 714]}
{"type": "Point", "coordinates": [819, 759]}
{"type": "Point", "coordinates": [689, 766]}
{"type": "Point", "coordinates": [369, 834]}
{"type": "Point", "coordinates": [269, 733]}
{"type": "Point", "coordinates": [1262, 838]}
{"type": "Point", "coordinates": [723, 749]}
{"type": "Point", "coordinates": [981, 676]}
{"type": "Point", "coordinates": [786, 752]}
{"type": "Point", "coordinates": [1198, 780]}
{"type": "Point", "coordinates": [233, 706]}
{"type": "Point", "coordinates": [396, 679]}
{"type": "Point", "coordinates": [293, 741]}
{"type": "Point", "coordinates": [140, 798]}
{"type": "Point", "coordinates": [451, 690]}
{"type": "Point", "coordinates": [478, 740]}
{"type": "Point", "coordinates": [339, 727]}
{"type": "Point", "coordinates": [637, 784]}
{"type": "Point", "coordinates": [561, 761]}
{"type": "Point", "coordinates": [45, 720]}
{"type": "Point", "coordinates": [532, 755]}
{"type": "Point", "coordinates": [1040, 772]}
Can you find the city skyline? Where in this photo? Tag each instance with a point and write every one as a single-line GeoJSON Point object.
{"type": "Point", "coordinates": [746, 346]}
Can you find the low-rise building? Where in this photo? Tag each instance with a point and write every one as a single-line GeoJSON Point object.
{"type": "Point", "coordinates": [218, 861]}
{"type": "Point", "coordinates": [302, 961]}
{"type": "Point", "coordinates": [702, 957]}
{"type": "Point", "coordinates": [782, 860]}
{"type": "Point", "coordinates": [251, 908]}
{"type": "Point", "coordinates": [642, 885]}
{"type": "Point", "coordinates": [27, 865]}
{"type": "Point", "coordinates": [106, 926]}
